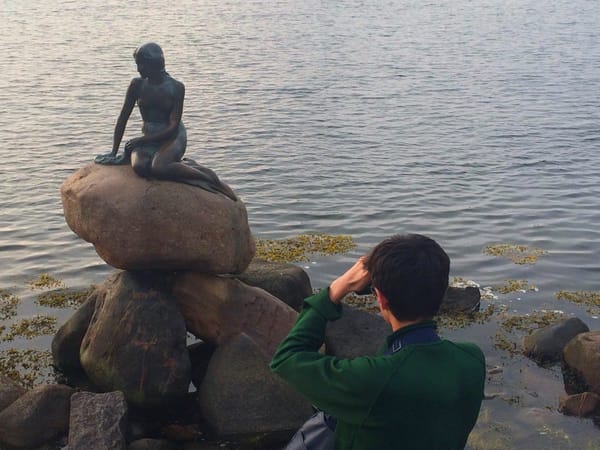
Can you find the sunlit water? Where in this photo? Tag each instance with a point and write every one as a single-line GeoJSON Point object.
{"type": "Point", "coordinates": [475, 122]}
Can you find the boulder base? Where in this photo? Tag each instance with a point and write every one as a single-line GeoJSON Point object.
{"type": "Point", "coordinates": [218, 308]}
{"type": "Point", "coordinates": [241, 397]}
{"type": "Point", "coordinates": [140, 224]}
{"type": "Point", "coordinates": [136, 340]}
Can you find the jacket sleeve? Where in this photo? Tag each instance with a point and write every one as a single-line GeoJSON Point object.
{"type": "Point", "coordinates": [345, 388]}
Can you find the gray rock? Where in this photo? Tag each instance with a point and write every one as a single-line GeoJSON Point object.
{"type": "Point", "coordinates": [97, 421]}
{"type": "Point", "coordinates": [240, 395]}
{"type": "Point", "coordinates": [140, 224]}
{"type": "Point", "coordinates": [356, 333]}
{"type": "Point", "coordinates": [287, 282]}
{"type": "Point", "coordinates": [38, 416]}
{"type": "Point", "coordinates": [461, 301]}
{"type": "Point", "coordinates": [9, 392]}
{"type": "Point", "coordinates": [581, 363]}
{"type": "Point", "coordinates": [136, 340]}
{"type": "Point", "coordinates": [66, 344]}
{"type": "Point", "coordinates": [218, 308]}
{"type": "Point", "coordinates": [580, 405]}
{"type": "Point", "coordinates": [545, 345]}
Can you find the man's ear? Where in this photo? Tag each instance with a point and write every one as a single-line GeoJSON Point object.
{"type": "Point", "coordinates": [383, 301]}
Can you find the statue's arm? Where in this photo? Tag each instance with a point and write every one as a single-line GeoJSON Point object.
{"type": "Point", "coordinates": [130, 98]}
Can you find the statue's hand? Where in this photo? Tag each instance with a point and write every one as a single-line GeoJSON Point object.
{"type": "Point", "coordinates": [132, 144]}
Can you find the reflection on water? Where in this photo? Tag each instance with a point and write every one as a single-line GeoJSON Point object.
{"type": "Point", "coordinates": [475, 122]}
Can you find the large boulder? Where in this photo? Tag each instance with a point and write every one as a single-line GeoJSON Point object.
{"type": "Point", "coordinates": [218, 308]}
{"type": "Point", "coordinates": [287, 282]}
{"type": "Point", "coordinates": [140, 224]}
{"type": "Point", "coordinates": [581, 363]}
{"type": "Point", "coordinates": [240, 396]}
{"type": "Point", "coordinates": [136, 340]}
{"type": "Point", "coordinates": [98, 421]}
{"type": "Point", "coordinates": [38, 416]}
{"type": "Point", "coordinates": [545, 345]}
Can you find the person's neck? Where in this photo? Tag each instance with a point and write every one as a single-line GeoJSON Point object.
{"type": "Point", "coordinates": [397, 324]}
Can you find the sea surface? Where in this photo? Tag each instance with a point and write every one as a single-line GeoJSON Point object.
{"type": "Point", "coordinates": [476, 122]}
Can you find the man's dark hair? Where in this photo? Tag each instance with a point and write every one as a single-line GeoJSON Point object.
{"type": "Point", "coordinates": [411, 271]}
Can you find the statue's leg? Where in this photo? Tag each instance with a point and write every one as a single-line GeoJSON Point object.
{"type": "Point", "coordinates": [167, 165]}
{"type": "Point", "coordinates": [141, 162]}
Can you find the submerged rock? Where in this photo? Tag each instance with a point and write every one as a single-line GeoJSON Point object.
{"type": "Point", "coordinates": [461, 301]}
{"type": "Point", "coordinates": [546, 344]}
{"type": "Point", "coordinates": [140, 224]}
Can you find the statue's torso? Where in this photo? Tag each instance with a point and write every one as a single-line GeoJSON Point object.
{"type": "Point", "coordinates": [156, 101]}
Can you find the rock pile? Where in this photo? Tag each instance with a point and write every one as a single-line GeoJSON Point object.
{"type": "Point", "coordinates": [186, 260]}
{"type": "Point", "coordinates": [570, 343]}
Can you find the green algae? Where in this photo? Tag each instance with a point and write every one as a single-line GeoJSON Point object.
{"type": "Point", "coordinates": [28, 367]}
{"type": "Point", "coordinates": [45, 281]}
{"type": "Point", "coordinates": [8, 305]}
{"type": "Point", "coordinates": [64, 298]}
{"type": "Point", "coordinates": [589, 299]}
{"type": "Point", "coordinates": [530, 322]}
{"type": "Point", "coordinates": [31, 327]}
{"type": "Point", "coordinates": [299, 247]}
{"type": "Point", "coordinates": [489, 434]}
{"type": "Point", "coordinates": [514, 286]}
{"type": "Point", "coordinates": [454, 322]}
{"type": "Point", "coordinates": [518, 254]}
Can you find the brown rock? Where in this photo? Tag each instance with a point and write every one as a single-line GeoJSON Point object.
{"type": "Point", "coordinates": [240, 396]}
{"type": "Point", "coordinates": [218, 308]}
{"type": "Point", "coordinates": [38, 416]}
{"type": "Point", "coordinates": [136, 340]}
{"type": "Point", "coordinates": [580, 405]}
{"type": "Point", "coordinates": [9, 391]}
{"type": "Point", "coordinates": [287, 282]}
{"type": "Point", "coordinates": [140, 224]}
{"type": "Point", "coordinates": [581, 363]}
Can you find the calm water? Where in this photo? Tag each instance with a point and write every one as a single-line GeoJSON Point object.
{"type": "Point", "coordinates": [476, 122]}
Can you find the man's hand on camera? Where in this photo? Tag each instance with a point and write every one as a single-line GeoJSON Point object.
{"type": "Point", "coordinates": [354, 279]}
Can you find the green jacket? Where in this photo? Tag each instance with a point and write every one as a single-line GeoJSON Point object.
{"type": "Point", "coordinates": [423, 397]}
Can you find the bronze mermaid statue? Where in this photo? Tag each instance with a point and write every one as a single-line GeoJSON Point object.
{"type": "Point", "coordinates": [158, 153]}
